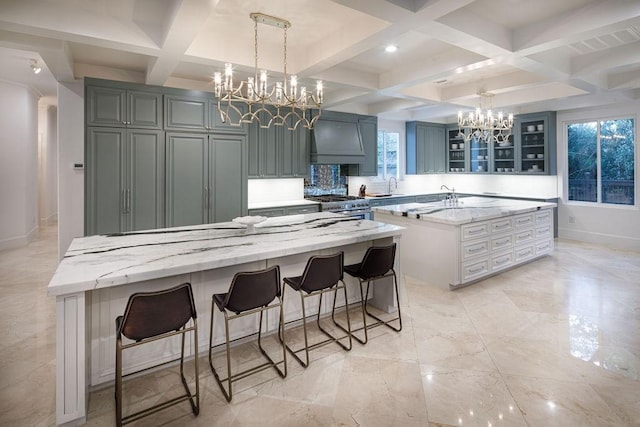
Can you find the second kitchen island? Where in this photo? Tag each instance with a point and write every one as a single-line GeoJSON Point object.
{"type": "Point", "coordinates": [450, 245]}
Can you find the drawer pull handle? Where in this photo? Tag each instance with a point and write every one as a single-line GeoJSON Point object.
{"type": "Point", "coordinates": [524, 221]}
{"type": "Point", "coordinates": [478, 249]}
{"type": "Point", "coordinates": [476, 270]}
{"type": "Point", "coordinates": [523, 253]}
{"type": "Point", "coordinates": [502, 242]}
{"type": "Point", "coordinates": [524, 236]}
{"type": "Point", "coordinates": [502, 261]}
{"type": "Point", "coordinates": [498, 227]}
{"type": "Point", "coordinates": [476, 231]}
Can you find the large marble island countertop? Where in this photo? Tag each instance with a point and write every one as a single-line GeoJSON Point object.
{"type": "Point", "coordinates": [110, 260]}
{"type": "Point", "coordinates": [468, 209]}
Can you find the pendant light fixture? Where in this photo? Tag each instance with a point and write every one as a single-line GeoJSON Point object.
{"type": "Point", "coordinates": [284, 104]}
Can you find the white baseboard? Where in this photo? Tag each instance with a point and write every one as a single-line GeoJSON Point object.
{"type": "Point", "coordinates": [19, 241]}
{"type": "Point", "coordinates": [610, 240]}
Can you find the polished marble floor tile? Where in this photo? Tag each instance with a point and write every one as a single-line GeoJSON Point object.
{"type": "Point", "coordinates": [552, 343]}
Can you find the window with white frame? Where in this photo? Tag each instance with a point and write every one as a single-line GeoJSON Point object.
{"type": "Point", "coordinates": [388, 154]}
{"type": "Point", "coordinates": [601, 161]}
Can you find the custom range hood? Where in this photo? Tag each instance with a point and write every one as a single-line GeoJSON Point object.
{"type": "Point", "coordinates": [336, 142]}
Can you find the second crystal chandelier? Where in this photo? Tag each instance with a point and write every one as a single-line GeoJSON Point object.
{"type": "Point", "coordinates": [284, 104]}
{"type": "Point", "coordinates": [484, 126]}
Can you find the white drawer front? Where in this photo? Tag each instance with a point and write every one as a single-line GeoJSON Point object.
{"type": "Point", "coordinates": [474, 269]}
{"type": "Point", "coordinates": [473, 249]}
{"type": "Point", "coordinates": [473, 231]}
{"type": "Point", "coordinates": [544, 247]}
{"type": "Point", "coordinates": [501, 225]}
{"type": "Point", "coordinates": [543, 217]}
{"type": "Point", "coordinates": [501, 260]}
{"type": "Point", "coordinates": [544, 231]}
{"type": "Point", "coordinates": [501, 242]}
{"type": "Point", "coordinates": [522, 253]}
{"type": "Point", "coordinates": [520, 221]}
{"type": "Point", "coordinates": [522, 236]}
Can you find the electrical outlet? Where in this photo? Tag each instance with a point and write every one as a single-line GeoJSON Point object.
{"type": "Point", "coordinates": [572, 220]}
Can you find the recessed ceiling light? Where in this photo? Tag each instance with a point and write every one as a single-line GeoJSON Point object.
{"type": "Point", "coordinates": [391, 48]}
{"type": "Point", "coordinates": [34, 66]}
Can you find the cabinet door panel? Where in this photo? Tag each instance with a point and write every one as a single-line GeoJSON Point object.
{"type": "Point", "coordinates": [369, 134]}
{"type": "Point", "coordinates": [184, 113]}
{"type": "Point", "coordinates": [288, 152]}
{"type": "Point", "coordinates": [146, 179]}
{"type": "Point", "coordinates": [104, 181]}
{"type": "Point", "coordinates": [303, 155]}
{"type": "Point", "coordinates": [144, 110]}
{"type": "Point", "coordinates": [106, 107]}
{"type": "Point", "coordinates": [421, 150]}
{"type": "Point", "coordinates": [438, 160]}
{"type": "Point", "coordinates": [187, 166]}
{"type": "Point", "coordinates": [228, 177]}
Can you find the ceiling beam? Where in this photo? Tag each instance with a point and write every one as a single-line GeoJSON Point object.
{"type": "Point", "coordinates": [183, 24]}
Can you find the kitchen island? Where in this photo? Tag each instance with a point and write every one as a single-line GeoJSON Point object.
{"type": "Point", "coordinates": [98, 274]}
{"type": "Point", "coordinates": [450, 244]}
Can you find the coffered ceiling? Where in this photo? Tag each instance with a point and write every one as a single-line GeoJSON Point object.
{"type": "Point", "coordinates": [532, 55]}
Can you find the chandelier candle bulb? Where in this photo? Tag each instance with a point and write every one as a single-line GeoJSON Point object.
{"type": "Point", "coordinates": [228, 76]}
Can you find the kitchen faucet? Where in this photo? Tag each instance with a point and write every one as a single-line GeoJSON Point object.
{"type": "Point", "coordinates": [452, 198]}
{"type": "Point", "coordinates": [396, 182]}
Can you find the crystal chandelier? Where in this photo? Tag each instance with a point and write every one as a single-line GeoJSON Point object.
{"type": "Point", "coordinates": [484, 126]}
{"type": "Point", "coordinates": [283, 104]}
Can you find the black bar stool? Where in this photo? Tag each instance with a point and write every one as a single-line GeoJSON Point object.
{"type": "Point", "coordinates": [249, 293]}
{"type": "Point", "coordinates": [322, 274]}
{"type": "Point", "coordinates": [151, 316]}
{"type": "Point", "coordinates": [377, 263]}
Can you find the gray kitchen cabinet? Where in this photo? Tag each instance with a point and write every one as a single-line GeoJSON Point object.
{"type": "Point", "coordinates": [187, 112]}
{"type": "Point", "coordinates": [124, 188]}
{"type": "Point", "coordinates": [216, 123]}
{"type": "Point", "coordinates": [368, 129]}
{"type": "Point", "coordinates": [293, 152]}
{"type": "Point", "coordinates": [263, 150]}
{"type": "Point", "coordinates": [426, 148]}
{"type": "Point", "coordinates": [205, 178]}
{"type": "Point", "coordinates": [119, 107]}
{"type": "Point", "coordinates": [227, 176]}
{"type": "Point", "coordinates": [536, 143]}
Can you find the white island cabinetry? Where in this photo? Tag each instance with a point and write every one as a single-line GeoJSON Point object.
{"type": "Point", "coordinates": [452, 246]}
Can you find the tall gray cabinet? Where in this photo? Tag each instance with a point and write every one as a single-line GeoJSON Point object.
{"type": "Point", "coordinates": [206, 178]}
{"type": "Point", "coordinates": [157, 157]}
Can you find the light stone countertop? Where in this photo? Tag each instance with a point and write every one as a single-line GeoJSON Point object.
{"type": "Point", "coordinates": [468, 209]}
{"type": "Point", "coordinates": [104, 261]}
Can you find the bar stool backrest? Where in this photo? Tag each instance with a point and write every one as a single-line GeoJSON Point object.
{"type": "Point", "coordinates": [377, 261]}
{"type": "Point", "coordinates": [149, 314]}
{"type": "Point", "coordinates": [253, 289]}
{"type": "Point", "coordinates": [322, 271]}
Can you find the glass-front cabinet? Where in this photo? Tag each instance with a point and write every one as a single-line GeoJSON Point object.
{"type": "Point", "coordinates": [456, 158]}
{"type": "Point", "coordinates": [532, 146]}
{"type": "Point", "coordinates": [479, 155]}
{"type": "Point", "coordinates": [504, 153]}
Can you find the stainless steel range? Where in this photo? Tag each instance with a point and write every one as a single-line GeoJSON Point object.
{"type": "Point", "coordinates": [357, 207]}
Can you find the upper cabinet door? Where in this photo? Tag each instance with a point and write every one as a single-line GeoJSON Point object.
{"type": "Point", "coordinates": [230, 125]}
{"type": "Point", "coordinates": [186, 113]}
{"type": "Point", "coordinates": [368, 129]}
{"type": "Point", "coordinates": [144, 110]}
{"type": "Point", "coordinates": [106, 107]}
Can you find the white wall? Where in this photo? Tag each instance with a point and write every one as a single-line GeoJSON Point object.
{"type": "Point", "coordinates": [47, 164]}
{"type": "Point", "coordinates": [616, 226]}
{"type": "Point", "coordinates": [18, 165]}
{"type": "Point", "coordinates": [70, 151]}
